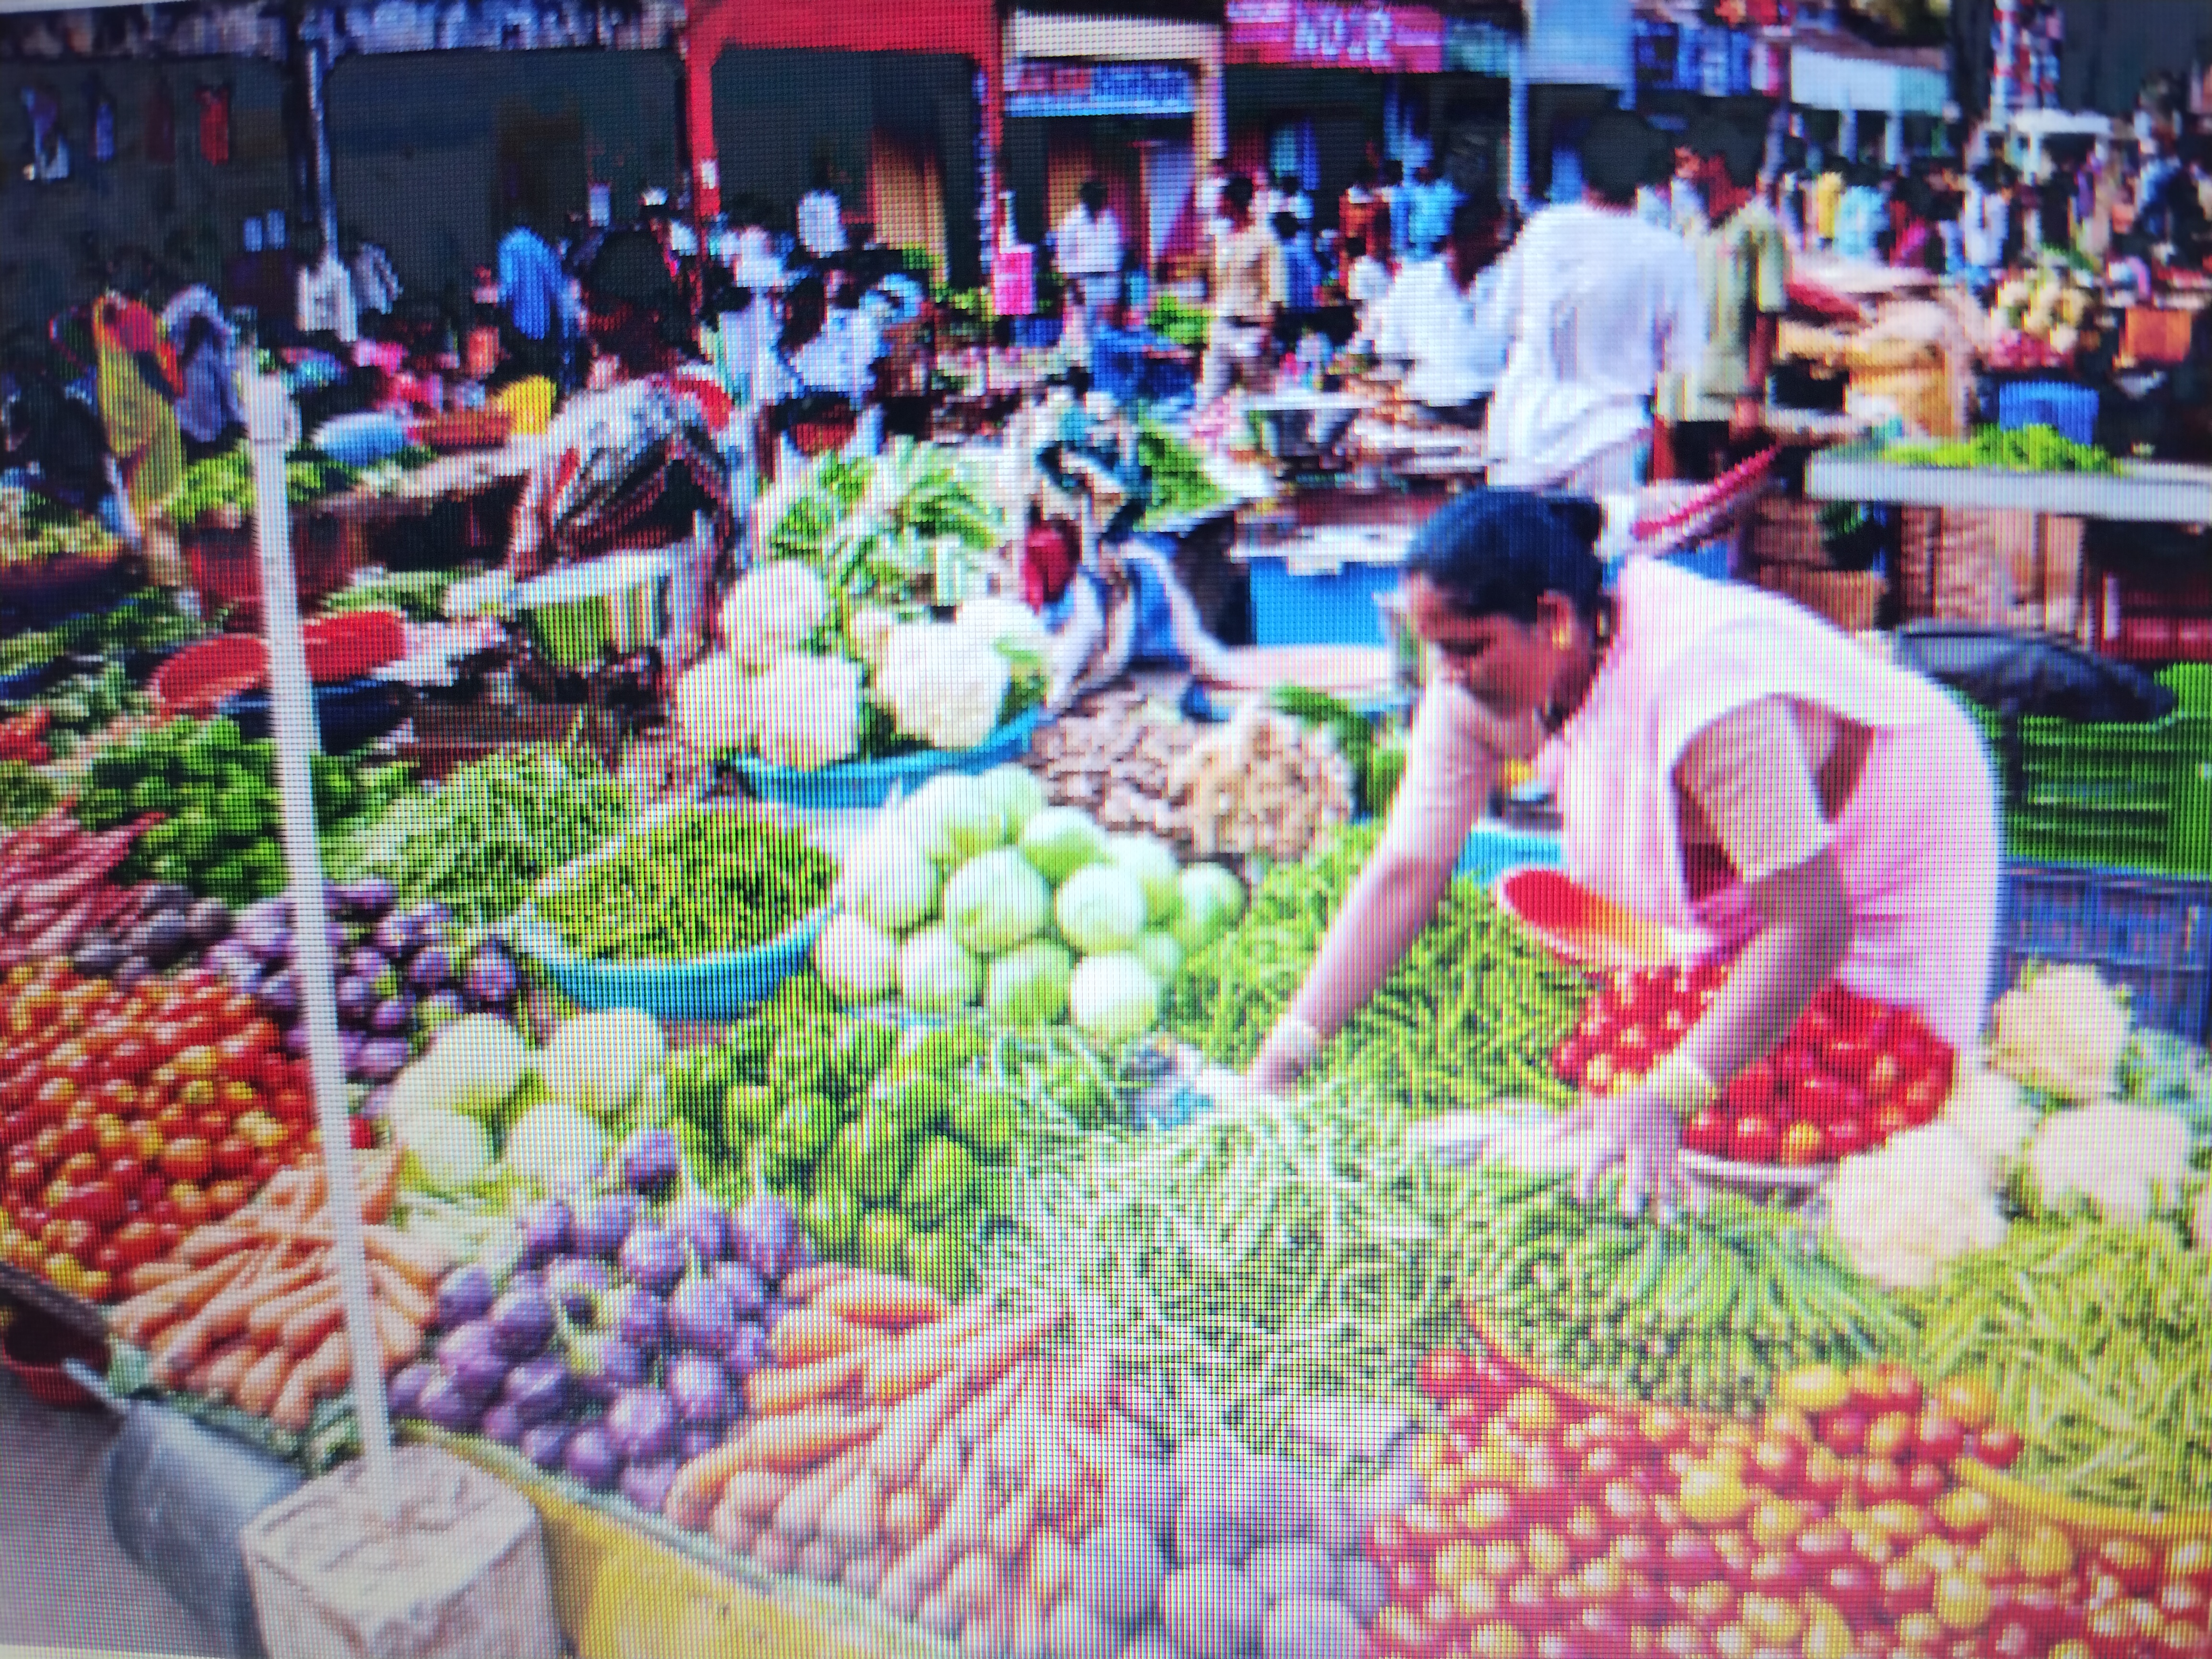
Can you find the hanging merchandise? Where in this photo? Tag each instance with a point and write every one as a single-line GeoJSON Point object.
{"type": "Point", "coordinates": [215, 124]}
{"type": "Point", "coordinates": [162, 126]}
{"type": "Point", "coordinates": [101, 109]}
{"type": "Point", "coordinates": [49, 157]}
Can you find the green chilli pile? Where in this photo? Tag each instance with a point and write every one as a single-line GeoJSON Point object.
{"type": "Point", "coordinates": [2098, 1340]}
{"type": "Point", "coordinates": [1471, 1014]}
{"type": "Point", "coordinates": [1704, 1310]}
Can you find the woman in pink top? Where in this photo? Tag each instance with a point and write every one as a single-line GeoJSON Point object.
{"type": "Point", "coordinates": [1722, 759]}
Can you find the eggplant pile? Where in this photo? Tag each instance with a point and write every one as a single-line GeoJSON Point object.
{"type": "Point", "coordinates": [400, 975]}
{"type": "Point", "coordinates": [620, 1346]}
{"type": "Point", "coordinates": [163, 923]}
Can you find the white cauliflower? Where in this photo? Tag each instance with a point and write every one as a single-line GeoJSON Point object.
{"type": "Point", "coordinates": [943, 685]}
{"type": "Point", "coordinates": [2064, 1030]}
{"type": "Point", "coordinates": [713, 701]}
{"type": "Point", "coordinates": [804, 712]}
{"type": "Point", "coordinates": [1003, 622]}
{"type": "Point", "coordinates": [1921, 1200]}
{"type": "Point", "coordinates": [1987, 1109]}
{"type": "Point", "coordinates": [772, 608]}
{"type": "Point", "coordinates": [2124, 1159]}
{"type": "Point", "coordinates": [869, 630]}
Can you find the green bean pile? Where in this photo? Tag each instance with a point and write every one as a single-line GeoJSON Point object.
{"type": "Point", "coordinates": [701, 882]}
{"type": "Point", "coordinates": [1702, 1311]}
{"type": "Point", "coordinates": [2098, 1340]}
{"type": "Point", "coordinates": [1269, 1251]}
{"type": "Point", "coordinates": [1471, 1014]}
{"type": "Point", "coordinates": [480, 841]}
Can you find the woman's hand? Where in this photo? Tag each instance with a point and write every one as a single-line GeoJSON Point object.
{"type": "Point", "coordinates": [1276, 1069]}
{"type": "Point", "coordinates": [1638, 1131]}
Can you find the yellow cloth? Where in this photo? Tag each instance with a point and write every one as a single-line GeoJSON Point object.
{"type": "Point", "coordinates": [141, 421]}
{"type": "Point", "coordinates": [528, 404]}
{"type": "Point", "coordinates": [1828, 197]}
{"type": "Point", "coordinates": [1248, 277]}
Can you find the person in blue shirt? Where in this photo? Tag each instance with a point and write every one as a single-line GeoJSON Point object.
{"type": "Point", "coordinates": [537, 310]}
{"type": "Point", "coordinates": [1398, 198]}
{"type": "Point", "coordinates": [1862, 218]}
{"type": "Point", "coordinates": [1301, 270]}
{"type": "Point", "coordinates": [1435, 197]}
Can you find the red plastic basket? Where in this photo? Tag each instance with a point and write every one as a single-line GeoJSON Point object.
{"type": "Point", "coordinates": [32, 1347]}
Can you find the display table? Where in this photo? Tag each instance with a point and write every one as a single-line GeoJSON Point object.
{"type": "Point", "coordinates": [477, 487]}
{"type": "Point", "coordinates": [2141, 492]}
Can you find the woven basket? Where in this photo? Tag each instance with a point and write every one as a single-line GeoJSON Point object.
{"type": "Point", "coordinates": [1784, 532]}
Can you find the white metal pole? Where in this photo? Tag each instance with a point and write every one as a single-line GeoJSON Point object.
{"type": "Point", "coordinates": [270, 424]}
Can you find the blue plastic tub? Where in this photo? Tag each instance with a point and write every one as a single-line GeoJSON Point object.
{"type": "Point", "coordinates": [870, 783]}
{"type": "Point", "coordinates": [1133, 368]}
{"type": "Point", "coordinates": [1036, 333]}
{"type": "Point", "coordinates": [1491, 849]}
{"type": "Point", "coordinates": [1336, 607]}
{"type": "Point", "coordinates": [720, 987]}
{"type": "Point", "coordinates": [2150, 934]}
{"type": "Point", "coordinates": [2070, 410]}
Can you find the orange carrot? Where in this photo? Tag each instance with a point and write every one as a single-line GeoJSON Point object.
{"type": "Point", "coordinates": [698, 1487]}
{"type": "Point", "coordinates": [800, 1439]}
{"type": "Point", "coordinates": [923, 1354]}
{"type": "Point", "coordinates": [227, 1366]}
{"type": "Point", "coordinates": [316, 1319]}
{"type": "Point", "coordinates": [990, 1353]}
{"type": "Point", "coordinates": [805, 1334]}
{"type": "Point", "coordinates": [398, 1337]}
{"type": "Point", "coordinates": [777, 1388]}
{"type": "Point", "coordinates": [257, 1391]}
{"type": "Point", "coordinates": [419, 1260]}
{"type": "Point", "coordinates": [402, 1294]}
{"type": "Point", "coordinates": [809, 1282]}
{"type": "Point", "coordinates": [880, 1301]}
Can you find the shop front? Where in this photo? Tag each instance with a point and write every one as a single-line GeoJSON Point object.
{"type": "Point", "coordinates": [1321, 90]}
{"type": "Point", "coordinates": [897, 107]}
{"type": "Point", "coordinates": [1133, 102]}
{"type": "Point", "coordinates": [1883, 102]}
{"type": "Point", "coordinates": [1476, 107]}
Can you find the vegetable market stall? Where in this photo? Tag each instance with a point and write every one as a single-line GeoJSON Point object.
{"type": "Point", "coordinates": [943, 1293]}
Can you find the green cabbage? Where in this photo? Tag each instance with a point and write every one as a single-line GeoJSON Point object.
{"type": "Point", "coordinates": [1113, 998]}
{"type": "Point", "coordinates": [992, 903]}
{"type": "Point", "coordinates": [936, 974]}
{"type": "Point", "coordinates": [1061, 840]}
{"type": "Point", "coordinates": [1100, 909]}
{"type": "Point", "coordinates": [1028, 986]}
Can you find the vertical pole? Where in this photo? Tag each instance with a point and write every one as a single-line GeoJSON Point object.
{"type": "Point", "coordinates": [270, 421]}
{"type": "Point", "coordinates": [1516, 125]}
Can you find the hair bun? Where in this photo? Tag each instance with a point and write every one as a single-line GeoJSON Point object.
{"type": "Point", "coordinates": [1583, 518]}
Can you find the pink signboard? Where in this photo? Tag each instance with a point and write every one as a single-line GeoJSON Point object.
{"type": "Point", "coordinates": [1321, 34]}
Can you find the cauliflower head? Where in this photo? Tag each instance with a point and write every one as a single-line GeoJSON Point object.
{"type": "Point", "coordinates": [712, 703]}
{"type": "Point", "coordinates": [2063, 1030]}
{"type": "Point", "coordinates": [772, 608]}
{"type": "Point", "coordinates": [805, 711]}
{"type": "Point", "coordinates": [1921, 1200]}
{"type": "Point", "coordinates": [1986, 1109]}
{"type": "Point", "coordinates": [2125, 1160]}
{"type": "Point", "coordinates": [944, 684]}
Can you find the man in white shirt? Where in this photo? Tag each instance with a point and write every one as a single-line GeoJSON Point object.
{"type": "Point", "coordinates": [1441, 318]}
{"type": "Point", "coordinates": [1982, 214]}
{"type": "Point", "coordinates": [326, 302]}
{"type": "Point", "coordinates": [1598, 306]}
{"type": "Point", "coordinates": [821, 217]}
{"type": "Point", "coordinates": [1087, 247]}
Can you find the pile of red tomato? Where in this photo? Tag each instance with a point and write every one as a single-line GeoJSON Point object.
{"type": "Point", "coordinates": [1851, 1074]}
{"type": "Point", "coordinates": [1838, 1526]}
{"type": "Point", "coordinates": [129, 1116]}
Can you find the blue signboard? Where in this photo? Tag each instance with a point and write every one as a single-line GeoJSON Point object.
{"type": "Point", "coordinates": [1078, 88]}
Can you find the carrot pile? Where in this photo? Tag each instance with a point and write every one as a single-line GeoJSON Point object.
{"type": "Point", "coordinates": [931, 1456]}
{"type": "Point", "coordinates": [247, 1310]}
{"type": "Point", "coordinates": [54, 887]}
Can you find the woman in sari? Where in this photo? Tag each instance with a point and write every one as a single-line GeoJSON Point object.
{"type": "Point", "coordinates": [139, 384]}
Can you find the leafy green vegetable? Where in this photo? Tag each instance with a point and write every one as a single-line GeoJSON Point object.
{"type": "Point", "coordinates": [491, 831]}
{"type": "Point", "coordinates": [2020, 449]}
{"type": "Point", "coordinates": [220, 489]}
{"type": "Point", "coordinates": [701, 882]}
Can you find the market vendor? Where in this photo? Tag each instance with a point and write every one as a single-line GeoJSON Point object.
{"type": "Point", "coordinates": [633, 461]}
{"type": "Point", "coordinates": [1441, 318]}
{"type": "Point", "coordinates": [819, 369]}
{"type": "Point", "coordinates": [1722, 759]}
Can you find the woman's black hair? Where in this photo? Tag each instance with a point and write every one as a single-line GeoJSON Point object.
{"type": "Point", "coordinates": [1497, 552]}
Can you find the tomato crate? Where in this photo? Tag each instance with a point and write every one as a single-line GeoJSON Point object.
{"type": "Point", "coordinates": [2119, 794]}
{"type": "Point", "coordinates": [2150, 934]}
